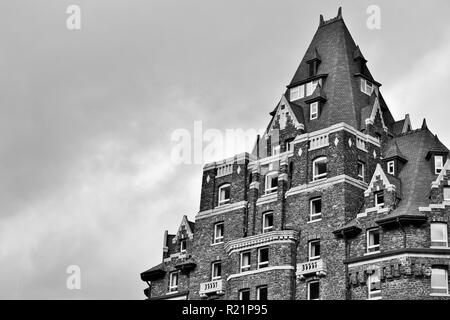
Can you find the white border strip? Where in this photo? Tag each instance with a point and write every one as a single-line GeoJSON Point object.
{"type": "Point", "coordinates": [400, 256]}
{"type": "Point", "coordinates": [246, 273]}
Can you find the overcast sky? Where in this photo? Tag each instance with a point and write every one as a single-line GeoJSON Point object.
{"type": "Point", "coordinates": [86, 117]}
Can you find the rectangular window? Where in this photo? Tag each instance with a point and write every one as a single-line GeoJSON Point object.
{"type": "Point", "coordinates": [271, 182]}
{"type": "Point", "coordinates": [439, 280]}
{"type": "Point", "coordinates": [275, 150]}
{"type": "Point", "coordinates": [224, 194]}
{"type": "Point", "coordinates": [311, 86]}
{"type": "Point", "coordinates": [314, 250]}
{"type": "Point", "coordinates": [267, 222]}
{"type": "Point", "coordinates": [263, 258]}
{"type": "Point", "coordinates": [173, 281]}
{"type": "Point", "coordinates": [391, 167]}
{"type": "Point", "coordinates": [297, 93]}
{"type": "Point", "coordinates": [373, 240]}
{"type": "Point", "coordinates": [374, 285]}
{"type": "Point", "coordinates": [314, 110]}
{"type": "Point", "coordinates": [216, 271]}
{"type": "Point", "coordinates": [366, 87]}
{"type": "Point", "coordinates": [315, 209]}
{"type": "Point", "coordinates": [261, 293]}
{"type": "Point", "coordinates": [379, 199]}
{"type": "Point", "coordinates": [218, 232]}
{"type": "Point", "coordinates": [288, 145]}
{"type": "Point", "coordinates": [313, 290]}
{"type": "Point", "coordinates": [446, 193]}
{"type": "Point", "coordinates": [361, 171]}
{"type": "Point", "coordinates": [439, 236]}
{"type": "Point", "coordinates": [244, 294]}
{"type": "Point", "coordinates": [245, 261]}
{"type": "Point", "coordinates": [320, 168]}
{"type": "Point", "coordinates": [438, 164]}
{"type": "Point", "coordinates": [183, 246]}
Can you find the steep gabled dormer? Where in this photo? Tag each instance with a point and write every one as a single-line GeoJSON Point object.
{"type": "Point", "coordinates": [394, 160]}
{"type": "Point", "coordinates": [384, 191]}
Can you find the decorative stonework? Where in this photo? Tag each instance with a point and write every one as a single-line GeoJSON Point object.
{"type": "Point", "coordinates": [261, 239]}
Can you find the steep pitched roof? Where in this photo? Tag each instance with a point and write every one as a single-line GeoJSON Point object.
{"type": "Point", "coordinates": [392, 150]}
{"type": "Point", "coordinates": [417, 174]}
{"type": "Point", "coordinates": [337, 50]}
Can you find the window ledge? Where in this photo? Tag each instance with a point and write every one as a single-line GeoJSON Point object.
{"type": "Point", "coordinates": [439, 294]}
{"type": "Point", "coordinates": [171, 292]}
{"type": "Point", "coordinates": [371, 253]}
{"type": "Point", "coordinates": [440, 247]}
{"type": "Point", "coordinates": [312, 221]}
{"type": "Point", "coordinates": [375, 298]}
{"type": "Point", "coordinates": [216, 243]}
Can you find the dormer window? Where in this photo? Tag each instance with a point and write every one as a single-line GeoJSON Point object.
{"type": "Point", "coordinates": [379, 199]}
{"type": "Point", "coordinates": [438, 164]}
{"type": "Point", "coordinates": [391, 167]}
{"type": "Point", "coordinates": [297, 93]}
{"type": "Point", "coordinates": [314, 110]}
{"type": "Point", "coordinates": [366, 87]}
{"type": "Point", "coordinates": [224, 194]}
{"type": "Point", "coordinates": [311, 86]}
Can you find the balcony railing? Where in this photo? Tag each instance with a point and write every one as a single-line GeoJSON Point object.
{"type": "Point", "coordinates": [212, 287]}
{"type": "Point", "coordinates": [316, 267]}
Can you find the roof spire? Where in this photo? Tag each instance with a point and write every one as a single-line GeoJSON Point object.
{"type": "Point", "coordinates": [424, 124]}
{"type": "Point", "coordinates": [321, 21]}
{"type": "Point", "coordinates": [339, 15]}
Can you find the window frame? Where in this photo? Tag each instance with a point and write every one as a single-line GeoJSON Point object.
{"type": "Point", "coordinates": [184, 241]}
{"type": "Point", "coordinates": [264, 227]}
{"type": "Point", "coordinates": [264, 264]}
{"type": "Point", "coordinates": [374, 294]}
{"type": "Point", "coordinates": [370, 249]}
{"type": "Point", "coordinates": [268, 176]}
{"type": "Point", "coordinates": [309, 289]}
{"type": "Point", "coordinates": [276, 150]}
{"type": "Point", "coordinates": [221, 201]}
{"type": "Point", "coordinates": [316, 216]}
{"type": "Point", "coordinates": [367, 84]}
{"type": "Point", "coordinates": [445, 235]}
{"type": "Point", "coordinates": [219, 239]}
{"type": "Point", "coordinates": [391, 165]}
{"type": "Point", "coordinates": [310, 245]}
{"type": "Point", "coordinates": [244, 268]}
{"type": "Point", "coordinates": [258, 294]}
{"type": "Point", "coordinates": [317, 177]}
{"type": "Point", "coordinates": [448, 193]}
{"type": "Point", "coordinates": [376, 194]}
{"type": "Point", "coordinates": [173, 288]}
{"type": "Point", "coordinates": [299, 93]}
{"type": "Point", "coordinates": [246, 290]}
{"type": "Point", "coordinates": [433, 269]}
{"type": "Point", "coordinates": [363, 166]}
{"type": "Point", "coordinates": [438, 169]}
{"type": "Point", "coordinates": [213, 265]}
{"type": "Point", "coordinates": [314, 106]}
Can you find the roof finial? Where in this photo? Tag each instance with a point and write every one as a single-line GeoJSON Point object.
{"type": "Point", "coordinates": [339, 16]}
{"type": "Point", "coordinates": [424, 124]}
{"type": "Point", "coordinates": [321, 21]}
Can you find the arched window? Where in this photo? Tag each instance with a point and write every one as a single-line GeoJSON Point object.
{"type": "Point", "coordinates": [320, 168]}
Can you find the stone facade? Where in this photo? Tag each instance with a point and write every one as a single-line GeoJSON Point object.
{"type": "Point", "coordinates": [317, 211]}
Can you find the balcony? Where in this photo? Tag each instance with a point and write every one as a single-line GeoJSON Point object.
{"type": "Point", "coordinates": [310, 268]}
{"type": "Point", "coordinates": [212, 287]}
